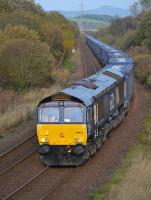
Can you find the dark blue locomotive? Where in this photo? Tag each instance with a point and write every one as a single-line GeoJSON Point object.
{"type": "Point", "coordinates": [101, 101]}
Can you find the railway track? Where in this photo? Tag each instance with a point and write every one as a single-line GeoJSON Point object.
{"type": "Point", "coordinates": [91, 65]}
{"type": "Point", "coordinates": [43, 184]}
{"type": "Point", "coordinates": [20, 168]}
{"type": "Point", "coordinates": [17, 154]}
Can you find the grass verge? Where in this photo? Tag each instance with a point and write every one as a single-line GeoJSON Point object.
{"type": "Point", "coordinates": [132, 179]}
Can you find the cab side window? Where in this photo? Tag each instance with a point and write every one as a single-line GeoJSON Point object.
{"type": "Point", "coordinates": [90, 114]}
{"type": "Point", "coordinates": [117, 91]}
{"type": "Point", "coordinates": [112, 101]}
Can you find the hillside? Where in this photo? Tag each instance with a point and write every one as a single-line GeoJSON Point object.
{"type": "Point", "coordinates": [103, 10]}
{"type": "Point", "coordinates": [90, 22]}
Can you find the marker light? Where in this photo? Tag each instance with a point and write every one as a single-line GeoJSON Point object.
{"type": "Point", "coordinates": [78, 140]}
{"type": "Point", "coordinates": [43, 140]}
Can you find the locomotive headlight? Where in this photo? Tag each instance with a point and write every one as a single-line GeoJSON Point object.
{"type": "Point", "coordinates": [78, 140]}
{"type": "Point", "coordinates": [43, 140]}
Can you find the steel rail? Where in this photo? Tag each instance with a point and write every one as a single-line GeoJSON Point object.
{"type": "Point", "coordinates": [25, 184]}
{"type": "Point", "coordinates": [18, 145]}
{"type": "Point", "coordinates": [18, 162]}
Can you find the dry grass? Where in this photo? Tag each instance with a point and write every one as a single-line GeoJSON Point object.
{"type": "Point", "coordinates": [136, 184]}
{"type": "Point", "coordinates": [60, 76]}
{"type": "Point", "coordinates": [7, 98]}
{"type": "Point", "coordinates": [15, 108]}
{"type": "Point", "coordinates": [132, 179]}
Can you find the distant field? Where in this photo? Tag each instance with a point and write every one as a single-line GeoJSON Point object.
{"type": "Point", "coordinates": [89, 24]}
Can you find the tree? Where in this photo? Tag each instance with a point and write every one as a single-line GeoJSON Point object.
{"type": "Point", "coordinates": [25, 63]}
{"type": "Point", "coordinates": [17, 32]}
{"type": "Point", "coordinates": [57, 44]}
{"type": "Point", "coordinates": [27, 5]}
{"type": "Point", "coordinates": [146, 5]}
{"type": "Point", "coordinates": [144, 32]}
{"type": "Point", "coordinates": [135, 9]}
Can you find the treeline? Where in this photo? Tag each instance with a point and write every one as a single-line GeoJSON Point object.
{"type": "Point", "coordinates": [32, 42]}
{"type": "Point", "coordinates": [134, 35]}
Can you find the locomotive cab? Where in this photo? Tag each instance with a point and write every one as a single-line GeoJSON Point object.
{"type": "Point", "coordinates": [61, 129]}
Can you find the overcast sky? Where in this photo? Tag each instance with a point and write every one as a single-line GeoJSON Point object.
{"type": "Point", "coordinates": [88, 4]}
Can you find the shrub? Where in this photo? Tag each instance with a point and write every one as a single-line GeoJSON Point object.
{"type": "Point", "coordinates": [144, 32]}
{"type": "Point", "coordinates": [143, 67]}
{"type": "Point", "coordinates": [17, 32]}
{"type": "Point", "coordinates": [25, 63]}
{"type": "Point", "coordinates": [53, 29]}
{"type": "Point", "coordinates": [126, 41]}
{"type": "Point", "coordinates": [108, 38]}
{"type": "Point", "coordinates": [28, 5]}
{"type": "Point", "coordinates": [148, 81]}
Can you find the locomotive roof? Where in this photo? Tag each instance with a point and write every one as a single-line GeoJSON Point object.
{"type": "Point", "coordinates": [89, 89]}
{"type": "Point", "coordinates": [87, 95]}
{"type": "Point", "coordinates": [122, 69]}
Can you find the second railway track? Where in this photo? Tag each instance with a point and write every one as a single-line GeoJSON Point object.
{"type": "Point", "coordinates": [43, 184]}
{"type": "Point", "coordinates": [18, 153]}
{"type": "Point", "coordinates": [91, 65]}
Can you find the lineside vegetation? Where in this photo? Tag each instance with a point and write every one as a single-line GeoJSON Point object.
{"type": "Point", "coordinates": [132, 179]}
{"type": "Point", "coordinates": [32, 43]}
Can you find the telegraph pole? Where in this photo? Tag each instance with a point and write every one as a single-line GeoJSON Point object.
{"type": "Point", "coordinates": [82, 6]}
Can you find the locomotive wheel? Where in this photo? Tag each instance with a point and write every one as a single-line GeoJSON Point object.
{"type": "Point", "coordinates": [87, 155]}
{"type": "Point", "coordinates": [99, 143]}
{"type": "Point", "coordinates": [92, 149]}
{"type": "Point", "coordinates": [109, 135]}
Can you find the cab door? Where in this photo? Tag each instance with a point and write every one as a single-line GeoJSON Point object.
{"type": "Point", "coordinates": [92, 119]}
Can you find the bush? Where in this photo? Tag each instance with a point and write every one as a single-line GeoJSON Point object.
{"type": "Point", "coordinates": [143, 67]}
{"type": "Point", "coordinates": [120, 26]}
{"type": "Point", "coordinates": [126, 41]}
{"type": "Point", "coordinates": [24, 63]}
{"type": "Point", "coordinates": [108, 38]}
{"type": "Point", "coordinates": [143, 36]}
{"type": "Point", "coordinates": [17, 32]}
{"type": "Point", "coordinates": [28, 5]}
{"type": "Point", "coordinates": [53, 29]}
{"type": "Point", "coordinates": [148, 81]}
{"type": "Point", "coordinates": [56, 42]}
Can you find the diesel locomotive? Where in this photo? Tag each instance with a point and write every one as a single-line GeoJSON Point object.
{"type": "Point", "coordinates": [73, 124]}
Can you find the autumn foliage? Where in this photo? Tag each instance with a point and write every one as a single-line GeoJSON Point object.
{"type": "Point", "coordinates": [32, 43]}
